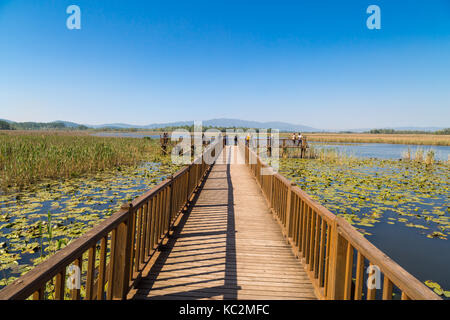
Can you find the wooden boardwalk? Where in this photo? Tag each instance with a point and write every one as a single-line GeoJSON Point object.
{"type": "Point", "coordinates": [207, 233]}
{"type": "Point", "coordinates": [228, 246]}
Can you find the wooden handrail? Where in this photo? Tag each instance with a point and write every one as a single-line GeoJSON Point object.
{"type": "Point", "coordinates": [26, 285]}
{"type": "Point", "coordinates": [327, 244]}
{"type": "Point", "coordinates": [131, 236]}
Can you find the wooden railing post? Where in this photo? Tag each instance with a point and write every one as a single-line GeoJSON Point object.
{"type": "Point", "coordinates": [289, 209]}
{"type": "Point", "coordinates": [188, 185]}
{"type": "Point", "coordinates": [247, 161]}
{"type": "Point", "coordinates": [270, 195]}
{"type": "Point", "coordinates": [170, 202]}
{"type": "Point", "coordinates": [336, 280]}
{"type": "Point", "coordinates": [122, 257]}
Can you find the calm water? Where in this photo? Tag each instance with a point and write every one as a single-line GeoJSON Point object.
{"type": "Point", "coordinates": [383, 150]}
{"type": "Point", "coordinates": [425, 258]}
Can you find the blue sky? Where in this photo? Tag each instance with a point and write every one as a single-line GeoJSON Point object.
{"type": "Point", "coordinates": [306, 62]}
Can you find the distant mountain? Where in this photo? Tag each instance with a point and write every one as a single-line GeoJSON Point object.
{"type": "Point", "coordinates": [67, 123]}
{"type": "Point", "coordinates": [222, 122]}
{"type": "Point", "coordinates": [29, 125]}
{"type": "Point", "coordinates": [259, 125]}
{"type": "Point", "coordinates": [228, 123]}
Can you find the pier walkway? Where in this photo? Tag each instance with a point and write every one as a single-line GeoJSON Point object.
{"type": "Point", "coordinates": [229, 246]}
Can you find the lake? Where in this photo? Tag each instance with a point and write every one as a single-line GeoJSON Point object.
{"type": "Point", "coordinates": [382, 150]}
{"type": "Point", "coordinates": [360, 150]}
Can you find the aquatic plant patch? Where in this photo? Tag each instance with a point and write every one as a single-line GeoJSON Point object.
{"type": "Point", "coordinates": [39, 220]}
{"type": "Point", "coordinates": [371, 192]}
{"type": "Point", "coordinates": [366, 192]}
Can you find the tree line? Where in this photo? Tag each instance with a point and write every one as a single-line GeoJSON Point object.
{"type": "Point", "coordinates": [392, 131]}
{"type": "Point", "coordinates": [5, 125]}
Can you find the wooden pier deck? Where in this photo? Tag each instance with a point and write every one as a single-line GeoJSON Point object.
{"type": "Point", "coordinates": [226, 226]}
{"type": "Point", "coordinates": [229, 246]}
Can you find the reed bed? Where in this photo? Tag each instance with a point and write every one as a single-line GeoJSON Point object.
{"type": "Point", "coordinates": [30, 157]}
{"type": "Point", "coordinates": [416, 139]}
{"type": "Point", "coordinates": [420, 156]}
{"type": "Point", "coordinates": [322, 154]}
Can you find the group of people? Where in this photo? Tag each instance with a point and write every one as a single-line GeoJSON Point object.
{"type": "Point", "coordinates": [297, 138]}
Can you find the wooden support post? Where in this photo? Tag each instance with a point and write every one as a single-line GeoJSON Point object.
{"type": "Point", "coordinates": [337, 267]}
{"type": "Point", "coordinates": [122, 258]}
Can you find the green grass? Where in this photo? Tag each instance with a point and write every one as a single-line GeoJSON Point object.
{"type": "Point", "coordinates": [28, 158]}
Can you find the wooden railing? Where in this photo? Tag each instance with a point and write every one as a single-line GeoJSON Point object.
{"type": "Point", "coordinates": [333, 252]}
{"type": "Point", "coordinates": [109, 258]}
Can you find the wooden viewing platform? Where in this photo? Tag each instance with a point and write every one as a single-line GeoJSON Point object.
{"type": "Point", "coordinates": [226, 230]}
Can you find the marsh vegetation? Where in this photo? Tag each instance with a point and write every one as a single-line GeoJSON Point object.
{"type": "Point", "coordinates": [414, 139]}
{"type": "Point", "coordinates": [56, 187]}
{"type": "Point", "coordinates": [31, 157]}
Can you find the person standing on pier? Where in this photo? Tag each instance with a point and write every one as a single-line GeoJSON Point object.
{"type": "Point", "coordinates": [293, 138]}
{"type": "Point", "coordinates": [300, 138]}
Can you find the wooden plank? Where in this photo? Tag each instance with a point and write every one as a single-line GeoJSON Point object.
{"type": "Point", "coordinates": [348, 272]}
{"type": "Point", "coordinates": [387, 289]}
{"type": "Point", "coordinates": [359, 276]}
{"type": "Point", "coordinates": [148, 229]}
{"type": "Point", "coordinates": [90, 274]}
{"type": "Point", "coordinates": [39, 294]}
{"type": "Point", "coordinates": [337, 271]}
{"type": "Point", "coordinates": [137, 246]}
{"type": "Point", "coordinates": [321, 271]}
{"type": "Point", "coordinates": [327, 261]}
{"type": "Point", "coordinates": [60, 282]}
{"type": "Point", "coordinates": [112, 257]}
{"type": "Point", "coordinates": [371, 292]}
{"type": "Point", "coordinates": [102, 269]}
{"type": "Point", "coordinates": [76, 292]}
